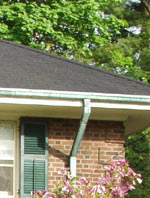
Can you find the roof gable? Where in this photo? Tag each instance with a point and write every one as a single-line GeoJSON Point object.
{"type": "Point", "coordinates": [24, 67]}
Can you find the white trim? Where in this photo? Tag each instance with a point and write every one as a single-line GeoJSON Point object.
{"type": "Point", "coordinates": [7, 165]}
{"type": "Point", "coordinates": [71, 103]}
{"type": "Point", "coordinates": [17, 157]}
{"type": "Point", "coordinates": [42, 102]}
{"type": "Point", "coordinates": [120, 106]}
{"type": "Point", "coordinates": [11, 165]}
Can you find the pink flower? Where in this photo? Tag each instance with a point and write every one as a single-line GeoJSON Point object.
{"type": "Point", "coordinates": [83, 180]}
{"type": "Point", "coordinates": [105, 187]}
{"type": "Point", "coordinates": [105, 181]}
{"type": "Point", "coordinates": [45, 193]}
{"type": "Point", "coordinates": [39, 192]}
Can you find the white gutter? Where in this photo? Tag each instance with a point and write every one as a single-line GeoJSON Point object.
{"type": "Point", "coordinates": [47, 94]}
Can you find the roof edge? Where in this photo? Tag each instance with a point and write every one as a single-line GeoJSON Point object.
{"type": "Point", "coordinates": [51, 94]}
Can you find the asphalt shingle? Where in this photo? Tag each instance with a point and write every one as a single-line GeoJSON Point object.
{"type": "Point", "coordinates": [24, 67]}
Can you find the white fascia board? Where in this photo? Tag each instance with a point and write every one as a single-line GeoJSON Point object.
{"type": "Point", "coordinates": [71, 103]}
{"type": "Point", "coordinates": [120, 106]}
{"type": "Point", "coordinates": [27, 101]}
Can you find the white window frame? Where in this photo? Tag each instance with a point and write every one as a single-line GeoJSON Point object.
{"type": "Point", "coordinates": [15, 161]}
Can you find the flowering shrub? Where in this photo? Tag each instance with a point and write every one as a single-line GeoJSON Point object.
{"type": "Point", "coordinates": [39, 194]}
{"type": "Point", "coordinates": [120, 179]}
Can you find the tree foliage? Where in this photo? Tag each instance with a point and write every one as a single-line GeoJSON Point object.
{"type": "Point", "coordinates": [72, 28]}
{"type": "Point", "coordinates": [129, 54]}
{"type": "Point", "coordinates": [138, 154]}
{"type": "Point", "coordinates": [110, 34]}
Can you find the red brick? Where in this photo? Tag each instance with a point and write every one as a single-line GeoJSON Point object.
{"type": "Point", "coordinates": [102, 141]}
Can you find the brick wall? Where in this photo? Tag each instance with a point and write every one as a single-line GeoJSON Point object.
{"type": "Point", "coordinates": [102, 143]}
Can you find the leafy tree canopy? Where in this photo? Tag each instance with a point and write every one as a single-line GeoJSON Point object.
{"type": "Point", "coordinates": [138, 154]}
{"type": "Point", "coordinates": [129, 54]}
{"type": "Point", "coordinates": [72, 28]}
{"type": "Point", "coordinates": [110, 34]}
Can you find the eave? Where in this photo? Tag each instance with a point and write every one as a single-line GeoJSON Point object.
{"type": "Point", "coordinates": [133, 110]}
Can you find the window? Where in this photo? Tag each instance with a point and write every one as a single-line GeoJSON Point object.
{"type": "Point", "coordinates": [7, 159]}
{"type": "Point", "coordinates": [34, 157]}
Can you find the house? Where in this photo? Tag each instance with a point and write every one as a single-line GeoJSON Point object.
{"type": "Point", "coordinates": [57, 113]}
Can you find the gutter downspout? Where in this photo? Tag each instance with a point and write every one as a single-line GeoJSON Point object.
{"type": "Point", "coordinates": [79, 136]}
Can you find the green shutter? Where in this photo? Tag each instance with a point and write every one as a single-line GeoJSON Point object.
{"type": "Point", "coordinates": [34, 175]}
{"type": "Point", "coordinates": [28, 176]}
{"type": "Point", "coordinates": [34, 139]}
{"type": "Point", "coordinates": [34, 158]}
{"type": "Point", "coordinates": [39, 177]}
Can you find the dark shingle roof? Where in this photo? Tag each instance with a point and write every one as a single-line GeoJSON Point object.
{"type": "Point", "coordinates": [24, 67]}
